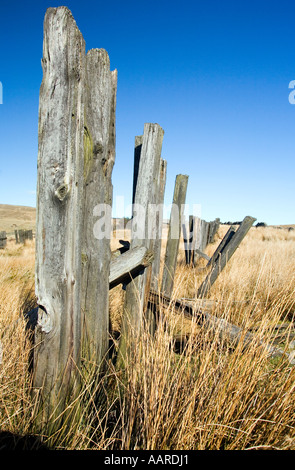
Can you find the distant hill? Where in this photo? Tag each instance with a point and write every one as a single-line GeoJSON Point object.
{"type": "Point", "coordinates": [17, 217]}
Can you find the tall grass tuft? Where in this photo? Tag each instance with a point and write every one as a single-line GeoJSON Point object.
{"type": "Point", "coordinates": [207, 394]}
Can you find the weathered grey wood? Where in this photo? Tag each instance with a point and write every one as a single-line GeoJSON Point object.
{"type": "Point", "coordinates": [174, 234]}
{"type": "Point", "coordinates": [3, 240]}
{"type": "Point", "coordinates": [30, 234]}
{"type": "Point", "coordinates": [197, 233]}
{"type": "Point", "coordinates": [128, 265]}
{"type": "Point", "coordinates": [227, 237]}
{"type": "Point", "coordinates": [137, 152]}
{"type": "Point", "coordinates": [229, 333]}
{"type": "Point", "coordinates": [214, 226]}
{"type": "Point", "coordinates": [59, 196]}
{"type": "Point", "coordinates": [99, 158]}
{"type": "Point", "coordinates": [188, 239]}
{"type": "Point", "coordinates": [201, 237]}
{"type": "Point", "coordinates": [203, 255]}
{"type": "Point", "coordinates": [75, 159]}
{"type": "Point", "coordinates": [16, 236]}
{"type": "Point", "coordinates": [21, 236]}
{"type": "Point", "coordinates": [159, 225]}
{"type": "Point", "coordinates": [226, 254]}
{"type": "Point", "coordinates": [206, 235]}
{"type": "Point", "coordinates": [142, 232]}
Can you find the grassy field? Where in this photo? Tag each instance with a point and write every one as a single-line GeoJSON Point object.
{"type": "Point", "coordinates": [211, 396]}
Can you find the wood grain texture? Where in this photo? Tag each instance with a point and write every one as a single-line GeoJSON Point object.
{"type": "Point", "coordinates": [128, 265]}
{"type": "Point", "coordinates": [143, 230]}
{"type": "Point", "coordinates": [174, 234]}
{"type": "Point", "coordinates": [75, 160]}
{"type": "Point", "coordinates": [225, 255]}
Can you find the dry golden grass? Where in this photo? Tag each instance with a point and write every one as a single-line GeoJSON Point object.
{"type": "Point", "coordinates": [208, 397]}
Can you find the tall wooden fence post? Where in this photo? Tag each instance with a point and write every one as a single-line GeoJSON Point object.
{"type": "Point", "coordinates": [76, 154]}
{"type": "Point", "coordinates": [174, 234]}
{"type": "Point", "coordinates": [143, 232]}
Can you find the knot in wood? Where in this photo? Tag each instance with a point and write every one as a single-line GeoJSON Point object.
{"type": "Point", "coordinates": [62, 192]}
{"type": "Point", "coordinates": [98, 149]}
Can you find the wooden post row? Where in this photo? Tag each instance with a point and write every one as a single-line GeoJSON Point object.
{"type": "Point", "coordinates": [22, 235]}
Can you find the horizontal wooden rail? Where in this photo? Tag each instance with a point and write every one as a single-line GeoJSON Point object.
{"type": "Point", "coordinates": [129, 264]}
{"type": "Point", "coordinates": [232, 334]}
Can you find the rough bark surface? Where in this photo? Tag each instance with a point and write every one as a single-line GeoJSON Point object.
{"type": "Point", "coordinates": [146, 190]}
{"type": "Point", "coordinates": [75, 155]}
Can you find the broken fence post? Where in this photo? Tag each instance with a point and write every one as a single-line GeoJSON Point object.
{"type": "Point", "coordinates": [227, 237]}
{"type": "Point", "coordinates": [225, 256]}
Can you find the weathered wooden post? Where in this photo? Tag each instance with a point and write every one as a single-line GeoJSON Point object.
{"type": "Point", "coordinates": [227, 237]}
{"type": "Point", "coordinates": [213, 229]}
{"type": "Point", "coordinates": [75, 160]}
{"type": "Point", "coordinates": [225, 255]}
{"type": "Point", "coordinates": [189, 240]}
{"type": "Point", "coordinates": [21, 236]}
{"type": "Point", "coordinates": [174, 234]}
{"type": "Point", "coordinates": [159, 225]}
{"type": "Point", "coordinates": [143, 232]}
{"type": "Point", "coordinates": [3, 240]}
{"type": "Point", "coordinates": [29, 235]}
{"type": "Point", "coordinates": [16, 237]}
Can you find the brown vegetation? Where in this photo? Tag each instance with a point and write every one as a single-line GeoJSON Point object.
{"type": "Point", "coordinates": [208, 396]}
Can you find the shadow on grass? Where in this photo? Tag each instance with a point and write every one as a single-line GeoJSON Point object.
{"type": "Point", "coordinates": [11, 441]}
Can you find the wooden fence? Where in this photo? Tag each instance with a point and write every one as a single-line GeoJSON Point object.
{"type": "Point", "coordinates": [74, 266]}
{"type": "Point", "coordinates": [3, 240]}
{"type": "Point", "coordinates": [22, 235]}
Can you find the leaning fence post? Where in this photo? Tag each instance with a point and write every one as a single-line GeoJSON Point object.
{"type": "Point", "coordinates": [143, 231]}
{"type": "Point", "coordinates": [227, 237]}
{"type": "Point", "coordinates": [75, 158]}
{"type": "Point", "coordinates": [225, 256]}
{"type": "Point", "coordinates": [174, 234]}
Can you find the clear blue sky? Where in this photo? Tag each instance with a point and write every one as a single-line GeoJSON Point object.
{"type": "Point", "coordinates": [214, 74]}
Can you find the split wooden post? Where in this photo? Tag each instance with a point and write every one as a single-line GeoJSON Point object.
{"type": "Point", "coordinates": [3, 240]}
{"type": "Point", "coordinates": [225, 256]}
{"type": "Point", "coordinates": [227, 237]}
{"type": "Point", "coordinates": [174, 234]}
{"type": "Point", "coordinates": [75, 160]}
{"type": "Point", "coordinates": [99, 157]}
{"type": "Point", "coordinates": [143, 233]}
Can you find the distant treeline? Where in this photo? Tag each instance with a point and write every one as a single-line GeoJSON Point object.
{"type": "Point", "coordinates": [259, 224]}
